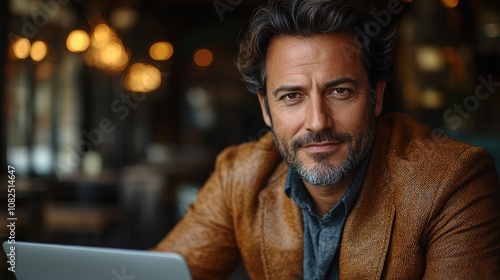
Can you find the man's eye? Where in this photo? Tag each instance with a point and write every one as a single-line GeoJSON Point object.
{"type": "Point", "coordinates": [290, 96]}
{"type": "Point", "coordinates": [340, 92]}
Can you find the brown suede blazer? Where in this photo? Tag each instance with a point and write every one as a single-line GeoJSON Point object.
{"type": "Point", "coordinates": [427, 210]}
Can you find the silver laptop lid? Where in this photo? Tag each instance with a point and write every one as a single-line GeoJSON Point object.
{"type": "Point", "coordinates": [62, 262]}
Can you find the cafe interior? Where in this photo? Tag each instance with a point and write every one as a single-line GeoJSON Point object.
{"type": "Point", "coordinates": [112, 112]}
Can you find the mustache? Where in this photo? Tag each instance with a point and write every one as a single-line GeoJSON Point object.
{"type": "Point", "coordinates": [318, 137]}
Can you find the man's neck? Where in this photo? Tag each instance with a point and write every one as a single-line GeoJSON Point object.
{"type": "Point", "coordinates": [325, 197]}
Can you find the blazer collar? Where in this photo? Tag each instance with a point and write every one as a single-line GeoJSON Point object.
{"type": "Point", "coordinates": [368, 227]}
{"type": "Point", "coordinates": [281, 230]}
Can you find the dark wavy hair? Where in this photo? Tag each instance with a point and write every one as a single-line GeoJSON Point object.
{"type": "Point", "coordinates": [314, 17]}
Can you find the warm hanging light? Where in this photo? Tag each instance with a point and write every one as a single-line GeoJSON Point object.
{"type": "Point", "coordinates": [203, 57]}
{"type": "Point", "coordinates": [142, 78]}
{"type": "Point", "coordinates": [106, 51]}
{"type": "Point", "coordinates": [450, 4]}
{"type": "Point", "coordinates": [102, 35]}
{"type": "Point", "coordinates": [21, 48]}
{"type": "Point", "coordinates": [78, 41]}
{"type": "Point", "coordinates": [38, 51]}
{"type": "Point", "coordinates": [161, 51]}
{"type": "Point", "coordinates": [111, 53]}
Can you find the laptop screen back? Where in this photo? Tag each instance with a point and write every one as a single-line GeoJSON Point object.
{"type": "Point", "coordinates": [63, 262]}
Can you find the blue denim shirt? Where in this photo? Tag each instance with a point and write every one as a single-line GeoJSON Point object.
{"type": "Point", "coordinates": [322, 234]}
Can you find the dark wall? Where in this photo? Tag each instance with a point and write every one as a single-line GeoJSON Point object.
{"type": "Point", "coordinates": [3, 50]}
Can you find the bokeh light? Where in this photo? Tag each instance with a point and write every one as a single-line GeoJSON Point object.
{"type": "Point", "coordinates": [492, 30]}
{"type": "Point", "coordinates": [430, 58]}
{"type": "Point", "coordinates": [111, 53]}
{"type": "Point", "coordinates": [39, 50]}
{"type": "Point", "coordinates": [161, 51]}
{"type": "Point", "coordinates": [78, 41]}
{"type": "Point", "coordinates": [450, 4]}
{"type": "Point", "coordinates": [203, 57]}
{"type": "Point", "coordinates": [124, 18]}
{"type": "Point", "coordinates": [106, 51]}
{"type": "Point", "coordinates": [44, 70]}
{"type": "Point", "coordinates": [142, 78]}
{"type": "Point", "coordinates": [102, 35]}
{"type": "Point", "coordinates": [21, 48]}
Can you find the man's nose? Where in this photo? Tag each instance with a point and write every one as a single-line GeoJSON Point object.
{"type": "Point", "coordinates": [318, 115]}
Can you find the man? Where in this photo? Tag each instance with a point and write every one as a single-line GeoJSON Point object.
{"type": "Point", "coordinates": [337, 191]}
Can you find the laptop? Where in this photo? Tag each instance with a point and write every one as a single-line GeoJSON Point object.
{"type": "Point", "coordinates": [62, 262]}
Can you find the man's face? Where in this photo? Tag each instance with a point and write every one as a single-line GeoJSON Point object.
{"type": "Point", "coordinates": [320, 105]}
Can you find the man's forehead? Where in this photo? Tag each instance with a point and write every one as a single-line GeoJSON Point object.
{"type": "Point", "coordinates": [291, 55]}
{"type": "Point", "coordinates": [335, 39]}
{"type": "Point", "coordinates": [285, 47]}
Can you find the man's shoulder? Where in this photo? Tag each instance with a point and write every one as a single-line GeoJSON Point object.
{"type": "Point", "coordinates": [262, 149]}
{"type": "Point", "coordinates": [414, 153]}
{"type": "Point", "coordinates": [250, 160]}
{"type": "Point", "coordinates": [410, 139]}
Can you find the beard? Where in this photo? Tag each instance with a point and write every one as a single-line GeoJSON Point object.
{"type": "Point", "coordinates": [323, 173]}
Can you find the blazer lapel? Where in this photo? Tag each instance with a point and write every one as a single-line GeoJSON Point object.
{"type": "Point", "coordinates": [368, 228]}
{"type": "Point", "coordinates": [365, 239]}
{"type": "Point", "coordinates": [282, 231]}
{"type": "Point", "coordinates": [366, 236]}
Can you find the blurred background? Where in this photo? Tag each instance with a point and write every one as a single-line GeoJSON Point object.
{"type": "Point", "coordinates": [112, 112]}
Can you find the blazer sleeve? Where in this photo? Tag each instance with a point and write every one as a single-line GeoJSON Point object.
{"type": "Point", "coordinates": [463, 231]}
{"type": "Point", "coordinates": [205, 236]}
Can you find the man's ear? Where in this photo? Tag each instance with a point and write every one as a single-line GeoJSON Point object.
{"type": "Point", "coordinates": [379, 97]}
{"type": "Point", "coordinates": [264, 108]}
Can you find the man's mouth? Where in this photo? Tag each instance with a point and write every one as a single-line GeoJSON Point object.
{"type": "Point", "coordinates": [323, 147]}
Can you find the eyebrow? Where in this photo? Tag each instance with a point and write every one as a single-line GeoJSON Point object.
{"type": "Point", "coordinates": [344, 80]}
{"type": "Point", "coordinates": [287, 88]}
{"type": "Point", "coordinates": [329, 84]}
